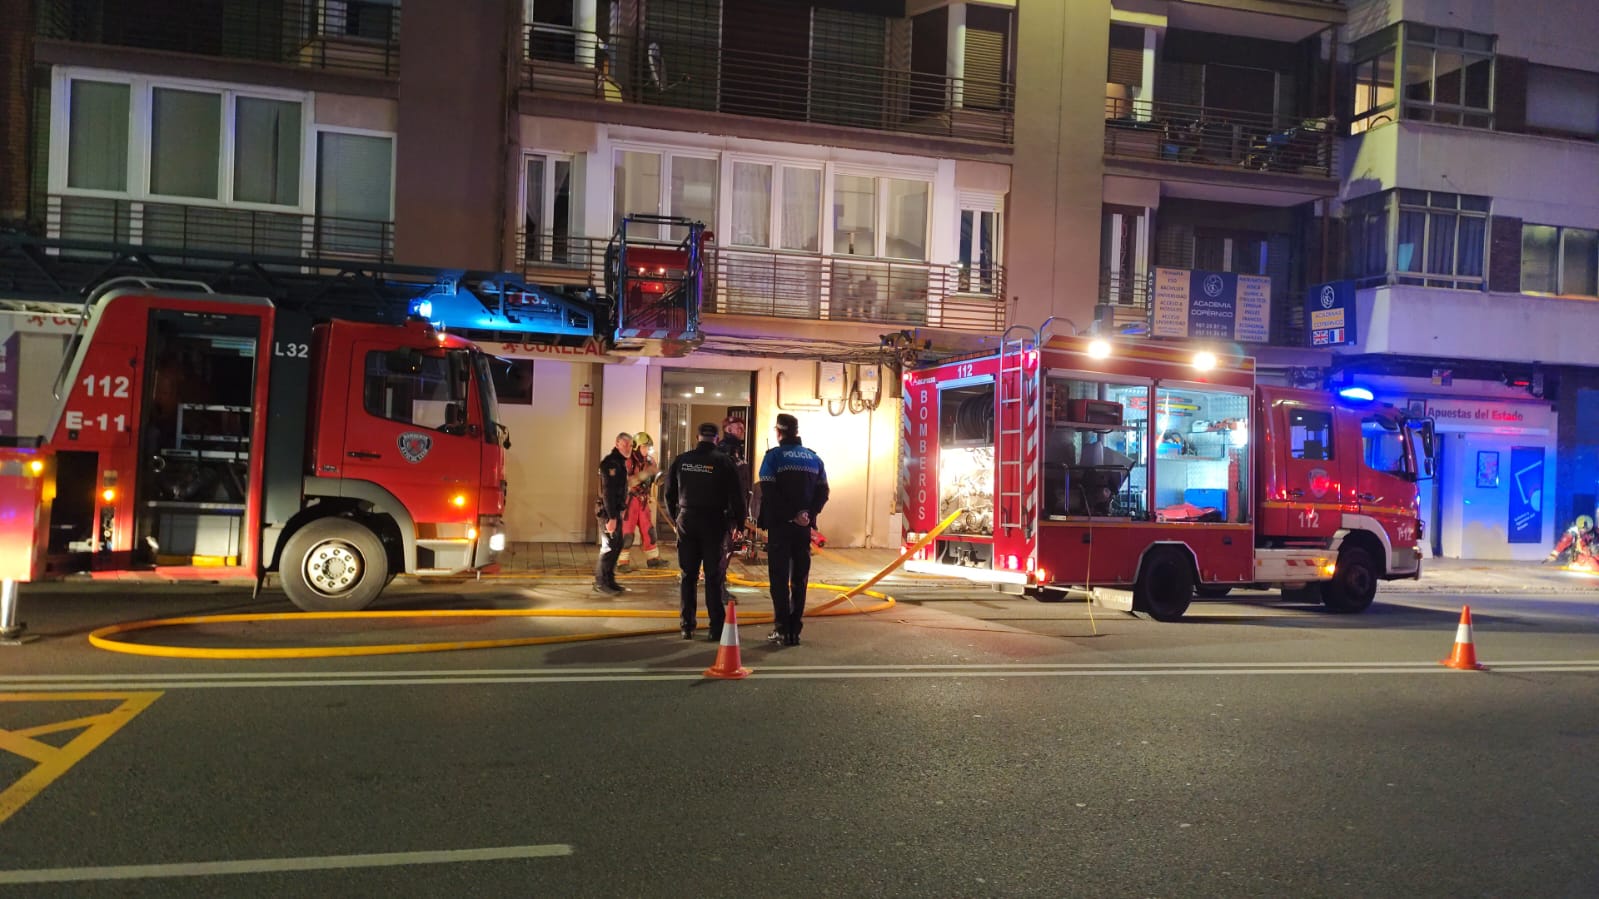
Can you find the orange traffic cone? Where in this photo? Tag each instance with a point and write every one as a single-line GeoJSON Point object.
{"type": "Point", "coordinates": [1464, 656]}
{"type": "Point", "coordinates": [727, 663]}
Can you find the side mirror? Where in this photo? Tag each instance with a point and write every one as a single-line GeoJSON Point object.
{"type": "Point", "coordinates": [1425, 446]}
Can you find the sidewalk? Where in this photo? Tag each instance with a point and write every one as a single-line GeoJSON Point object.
{"type": "Point", "coordinates": [850, 566]}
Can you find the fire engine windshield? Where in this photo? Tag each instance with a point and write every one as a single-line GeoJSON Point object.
{"type": "Point", "coordinates": [482, 367]}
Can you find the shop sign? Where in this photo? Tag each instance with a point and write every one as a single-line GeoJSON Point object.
{"type": "Point", "coordinates": [588, 351]}
{"type": "Point", "coordinates": [585, 395]}
{"type": "Point", "coordinates": [1223, 305]}
{"type": "Point", "coordinates": [1486, 415]}
{"type": "Point", "coordinates": [1330, 310]}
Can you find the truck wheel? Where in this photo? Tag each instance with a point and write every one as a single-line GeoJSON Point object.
{"type": "Point", "coordinates": [1213, 591]}
{"type": "Point", "coordinates": [334, 565]}
{"type": "Point", "coordinates": [1354, 583]}
{"type": "Point", "coordinates": [1165, 586]}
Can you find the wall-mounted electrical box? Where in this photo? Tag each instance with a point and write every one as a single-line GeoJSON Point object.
{"type": "Point", "coordinates": [866, 382]}
{"type": "Point", "coordinates": [830, 381]}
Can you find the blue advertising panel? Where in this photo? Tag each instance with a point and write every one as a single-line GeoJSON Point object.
{"type": "Point", "coordinates": [1330, 313]}
{"type": "Point", "coordinates": [1526, 495]}
{"type": "Point", "coordinates": [1211, 304]}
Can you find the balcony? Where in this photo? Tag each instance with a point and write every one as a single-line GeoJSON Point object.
{"type": "Point", "coordinates": [696, 75]}
{"type": "Point", "coordinates": [177, 229]}
{"type": "Point", "coordinates": [361, 36]}
{"type": "Point", "coordinates": [1185, 135]}
{"type": "Point", "coordinates": [803, 286]}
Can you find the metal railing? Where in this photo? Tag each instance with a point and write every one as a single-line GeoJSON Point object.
{"type": "Point", "coordinates": [351, 35]}
{"type": "Point", "coordinates": [1200, 135]}
{"type": "Point", "coordinates": [693, 74]}
{"type": "Point", "coordinates": [171, 229]}
{"type": "Point", "coordinates": [740, 281]}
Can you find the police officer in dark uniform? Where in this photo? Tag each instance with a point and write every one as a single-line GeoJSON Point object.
{"type": "Point", "coordinates": [703, 498]}
{"type": "Point", "coordinates": [793, 491]}
{"type": "Point", "coordinates": [612, 503]}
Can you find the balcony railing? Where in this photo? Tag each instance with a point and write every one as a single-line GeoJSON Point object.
{"type": "Point", "coordinates": [689, 74]}
{"type": "Point", "coordinates": [1199, 135]}
{"type": "Point", "coordinates": [170, 229]}
{"type": "Point", "coordinates": [350, 35]}
{"type": "Point", "coordinates": [775, 284]}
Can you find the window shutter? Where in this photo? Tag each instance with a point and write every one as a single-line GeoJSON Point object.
{"type": "Point", "coordinates": [1504, 254]}
{"type": "Point", "coordinates": [985, 69]}
{"type": "Point", "coordinates": [1126, 56]}
{"type": "Point", "coordinates": [1510, 94]}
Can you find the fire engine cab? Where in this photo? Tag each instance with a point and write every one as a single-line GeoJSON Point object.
{"type": "Point", "coordinates": [1157, 470]}
{"type": "Point", "coordinates": [224, 431]}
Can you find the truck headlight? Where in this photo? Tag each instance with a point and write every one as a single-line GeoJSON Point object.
{"type": "Point", "coordinates": [497, 542]}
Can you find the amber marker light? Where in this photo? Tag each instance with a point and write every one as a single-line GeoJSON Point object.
{"type": "Point", "coordinates": [109, 494]}
{"type": "Point", "coordinates": [459, 500]}
{"type": "Point", "coordinates": [36, 466]}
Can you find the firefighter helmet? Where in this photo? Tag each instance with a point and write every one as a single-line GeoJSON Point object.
{"type": "Point", "coordinates": [1583, 523]}
{"type": "Point", "coordinates": [642, 439]}
{"type": "Point", "coordinates": [731, 422]}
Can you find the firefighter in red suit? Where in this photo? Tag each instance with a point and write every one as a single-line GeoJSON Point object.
{"type": "Point", "coordinates": [1582, 542]}
{"type": "Point", "coordinates": [639, 516]}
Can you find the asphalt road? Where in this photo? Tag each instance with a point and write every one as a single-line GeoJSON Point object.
{"type": "Point", "coordinates": [958, 744]}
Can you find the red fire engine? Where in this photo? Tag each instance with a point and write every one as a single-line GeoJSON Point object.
{"type": "Point", "coordinates": [1156, 469]}
{"type": "Point", "coordinates": [207, 429]}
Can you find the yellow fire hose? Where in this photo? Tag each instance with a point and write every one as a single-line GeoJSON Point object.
{"type": "Point", "coordinates": [106, 637]}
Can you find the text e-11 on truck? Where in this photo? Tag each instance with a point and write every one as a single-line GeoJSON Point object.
{"type": "Point", "coordinates": [201, 428]}
{"type": "Point", "coordinates": [1133, 464]}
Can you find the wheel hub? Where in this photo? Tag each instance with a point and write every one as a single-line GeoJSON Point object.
{"type": "Point", "coordinates": [332, 568]}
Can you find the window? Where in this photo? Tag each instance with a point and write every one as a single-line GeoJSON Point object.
{"type": "Point", "coordinates": [1562, 102]}
{"type": "Point", "coordinates": [185, 143]}
{"type": "Point", "coordinates": [1382, 446]}
{"type": "Point", "coordinates": [426, 390]}
{"type": "Point", "coordinates": [1310, 435]}
{"type": "Point", "coordinates": [97, 141]}
{"type": "Point", "coordinates": [1448, 75]}
{"type": "Point", "coordinates": [1201, 456]}
{"type": "Point", "coordinates": [204, 146]}
{"type": "Point", "coordinates": [266, 161]}
{"type": "Point", "coordinates": [512, 379]}
{"type": "Point", "coordinates": [547, 209]}
{"type": "Point", "coordinates": [646, 183]}
{"type": "Point", "coordinates": [1374, 89]}
{"type": "Point", "coordinates": [881, 217]}
{"type": "Point", "coordinates": [1095, 457]}
{"type": "Point", "coordinates": [1559, 261]}
{"type": "Point", "coordinates": [979, 250]}
{"type": "Point", "coordinates": [752, 205]}
{"type": "Point", "coordinates": [369, 19]}
{"type": "Point", "coordinates": [1437, 239]}
{"type": "Point", "coordinates": [354, 191]}
{"type": "Point", "coordinates": [801, 225]}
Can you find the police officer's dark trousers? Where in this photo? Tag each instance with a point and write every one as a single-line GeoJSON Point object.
{"type": "Point", "coordinates": [610, 551]}
{"type": "Point", "coordinates": [699, 546]}
{"type": "Point", "coordinates": [788, 567]}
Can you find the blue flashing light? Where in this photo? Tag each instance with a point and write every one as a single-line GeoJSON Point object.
{"type": "Point", "coordinates": [1356, 394]}
{"type": "Point", "coordinates": [424, 308]}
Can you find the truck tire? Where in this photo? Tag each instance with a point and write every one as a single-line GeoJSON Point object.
{"type": "Point", "coordinates": [1165, 586]}
{"type": "Point", "coordinates": [1213, 591]}
{"type": "Point", "coordinates": [1353, 585]}
{"type": "Point", "coordinates": [333, 565]}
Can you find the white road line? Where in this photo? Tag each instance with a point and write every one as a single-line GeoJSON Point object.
{"type": "Point", "coordinates": [181, 682]}
{"type": "Point", "coordinates": [278, 865]}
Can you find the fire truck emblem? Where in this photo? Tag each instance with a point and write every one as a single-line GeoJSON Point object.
{"type": "Point", "coordinates": [414, 447]}
{"type": "Point", "coordinates": [1320, 482]}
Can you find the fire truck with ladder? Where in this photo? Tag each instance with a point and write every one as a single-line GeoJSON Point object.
{"type": "Point", "coordinates": [336, 443]}
{"type": "Point", "coordinates": [1146, 473]}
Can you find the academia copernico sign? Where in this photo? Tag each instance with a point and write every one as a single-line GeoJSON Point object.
{"type": "Point", "coordinates": [1223, 305]}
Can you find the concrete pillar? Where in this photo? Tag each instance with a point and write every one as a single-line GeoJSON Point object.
{"type": "Point", "coordinates": [451, 183]}
{"type": "Point", "coordinates": [955, 55]}
{"type": "Point", "coordinates": [1052, 236]}
{"type": "Point", "coordinates": [586, 21]}
{"type": "Point", "coordinates": [1144, 95]}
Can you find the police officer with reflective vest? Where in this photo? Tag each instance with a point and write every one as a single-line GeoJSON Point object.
{"type": "Point", "coordinates": [611, 505]}
{"type": "Point", "coordinates": [793, 492]}
{"type": "Point", "coordinates": [703, 498]}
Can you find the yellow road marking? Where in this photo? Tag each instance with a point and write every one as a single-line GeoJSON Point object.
{"type": "Point", "coordinates": [51, 762]}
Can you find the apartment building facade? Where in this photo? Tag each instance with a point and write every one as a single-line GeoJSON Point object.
{"type": "Point", "coordinates": [880, 176]}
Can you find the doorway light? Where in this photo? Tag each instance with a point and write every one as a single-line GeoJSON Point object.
{"type": "Point", "coordinates": [698, 389]}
